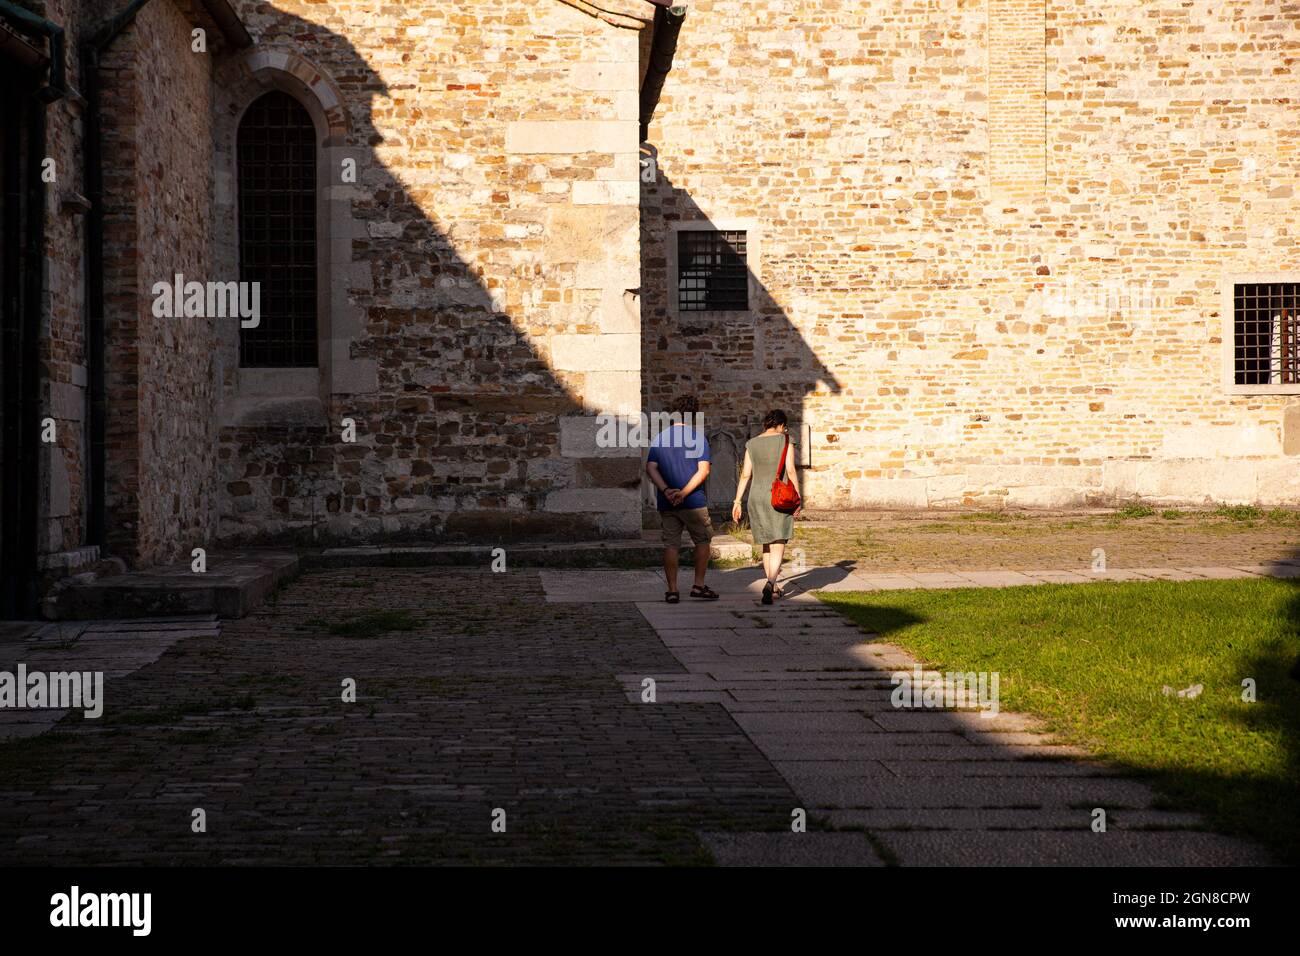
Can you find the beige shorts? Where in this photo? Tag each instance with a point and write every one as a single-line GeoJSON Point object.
{"type": "Point", "coordinates": [694, 520]}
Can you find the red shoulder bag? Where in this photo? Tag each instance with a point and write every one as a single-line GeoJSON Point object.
{"type": "Point", "coordinates": [785, 498]}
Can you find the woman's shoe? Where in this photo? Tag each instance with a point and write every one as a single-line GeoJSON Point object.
{"type": "Point", "coordinates": [767, 593]}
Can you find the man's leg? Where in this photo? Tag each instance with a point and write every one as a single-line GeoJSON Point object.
{"type": "Point", "coordinates": [701, 562]}
{"type": "Point", "coordinates": [672, 538]}
{"type": "Point", "coordinates": [670, 568]}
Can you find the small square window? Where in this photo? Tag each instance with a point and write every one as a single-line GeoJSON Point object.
{"type": "Point", "coordinates": [712, 272]}
{"type": "Point", "coordinates": [1266, 333]}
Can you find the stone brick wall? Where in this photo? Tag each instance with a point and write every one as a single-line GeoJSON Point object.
{"type": "Point", "coordinates": [480, 278]}
{"type": "Point", "coordinates": [62, 506]}
{"type": "Point", "coordinates": [160, 372]}
{"type": "Point", "coordinates": [959, 313]}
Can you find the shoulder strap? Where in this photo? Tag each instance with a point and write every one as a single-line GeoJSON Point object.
{"type": "Point", "coordinates": [780, 469]}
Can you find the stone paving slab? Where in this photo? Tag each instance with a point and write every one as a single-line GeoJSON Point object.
{"type": "Point", "coordinates": [791, 849]}
{"type": "Point", "coordinates": [965, 769]}
{"type": "Point", "coordinates": [1220, 573]}
{"type": "Point", "coordinates": [1053, 818]}
{"type": "Point", "coordinates": [881, 748]}
{"type": "Point", "coordinates": [1170, 574]}
{"type": "Point", "coordinates": [1116, 847]}
{"type": "Point", "coordinates": [837, 790]}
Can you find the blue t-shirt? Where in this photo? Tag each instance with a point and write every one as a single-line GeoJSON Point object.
{"type": "Point", "coordinates": [678, 451]}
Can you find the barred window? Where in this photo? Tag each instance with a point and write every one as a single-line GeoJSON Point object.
{"type": "Point", "coordinates": [277, 231]}
{"type": "Point", "coordinates": [712, 274]}
{"type": "Point", "coordinates": [1266, 333]}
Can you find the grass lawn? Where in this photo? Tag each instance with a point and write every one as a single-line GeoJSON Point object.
{"type": "Point", "coordinates": [1091, 659]}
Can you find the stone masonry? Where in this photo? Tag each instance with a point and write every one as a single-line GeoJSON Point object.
{"type": "Point", "coordinates": [992, 237]}
{"type": "Point", "coordinates": [480, 278]}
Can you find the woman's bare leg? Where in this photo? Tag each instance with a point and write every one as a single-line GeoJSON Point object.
{"type": "Point", "coordinates": [767, 561]}
{"type": "Point", "coordinates": [778, 553]}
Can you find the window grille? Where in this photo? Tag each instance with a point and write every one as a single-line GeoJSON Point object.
{"type": "Point", "coordinates": [277, 231]}
{"type": "Point", "coordinates": [1266, 333]}
{"type": "Point", "coordinates": [712, 274]}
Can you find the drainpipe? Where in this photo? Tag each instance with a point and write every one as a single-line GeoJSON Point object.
{"type": "Point", "coordinates": [667, 25]}
{"type": "Point", "coordinates": [24, 21]}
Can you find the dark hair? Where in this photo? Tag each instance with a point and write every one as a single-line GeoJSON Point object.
{"type": "Point", "coordinates": [774, 419]}
{"type": "Point", "coordinates": [686, 405]}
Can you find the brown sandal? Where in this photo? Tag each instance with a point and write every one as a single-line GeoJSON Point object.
{"type": "Point", "coordinates": [704, 592]}
{"type": "Point", "coordinates": [672, 597]}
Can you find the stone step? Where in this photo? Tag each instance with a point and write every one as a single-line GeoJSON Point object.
{"type": "Point", "coordinates": [646, 550]}
{"type": "Point", "coordinates": [234, 583]}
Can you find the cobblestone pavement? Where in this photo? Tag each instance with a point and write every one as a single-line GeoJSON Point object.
{"type": "Point", "coordinates": [493, 699]}
{"type": "Point", "coordinates": [930, 787]}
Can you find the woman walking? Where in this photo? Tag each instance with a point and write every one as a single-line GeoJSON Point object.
{"type": "Point", "coordinates": [771, 528]}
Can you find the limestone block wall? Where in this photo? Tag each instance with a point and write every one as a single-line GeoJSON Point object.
{"type": "Point", "coordinates": [993, 236]}
{"type": "Point", "coordinates": [479, 276]}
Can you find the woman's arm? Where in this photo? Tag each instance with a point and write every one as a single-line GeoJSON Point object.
{"type": "Point", "coordinates": [746, 470]}
{"type": "Point", "coordinates": [792, 473]}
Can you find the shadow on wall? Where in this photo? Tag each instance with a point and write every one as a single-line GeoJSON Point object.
{"type": "Point", "coordinates": [461, 439]}
{"type": "Point", "coordinates": [741, 363]}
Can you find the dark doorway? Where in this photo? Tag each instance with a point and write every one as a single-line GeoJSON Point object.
{"type": "Point", "coordinates": [21, 237]}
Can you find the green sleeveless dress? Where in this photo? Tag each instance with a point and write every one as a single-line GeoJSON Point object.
{"type": "Point", "coordinates": [766, 523]}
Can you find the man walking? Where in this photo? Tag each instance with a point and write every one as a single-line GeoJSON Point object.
{"type": "Point", "coordinates": [678, 465]}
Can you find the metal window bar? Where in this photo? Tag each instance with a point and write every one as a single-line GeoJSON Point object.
{"type": "Point", "coordinates": [277, 231]}
{"type": "Point", "coordinates": [712, 274]}
{"type": "Point", "coordinates": [1266, 323]}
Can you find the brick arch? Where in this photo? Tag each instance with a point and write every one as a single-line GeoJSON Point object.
{"type": "Point", "coordinates": [261, 69]}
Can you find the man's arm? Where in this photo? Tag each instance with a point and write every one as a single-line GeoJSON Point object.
{"type": "Point", "coordinates": [657, 479]}
{"type": "Point", "coordinates": [701, 473]}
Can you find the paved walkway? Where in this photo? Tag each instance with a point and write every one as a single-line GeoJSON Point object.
{"type": "Point", "coordinates": [929, 787]}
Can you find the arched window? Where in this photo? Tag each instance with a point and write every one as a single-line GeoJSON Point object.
{"type": "Point", "coordinates": [277, 231]}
